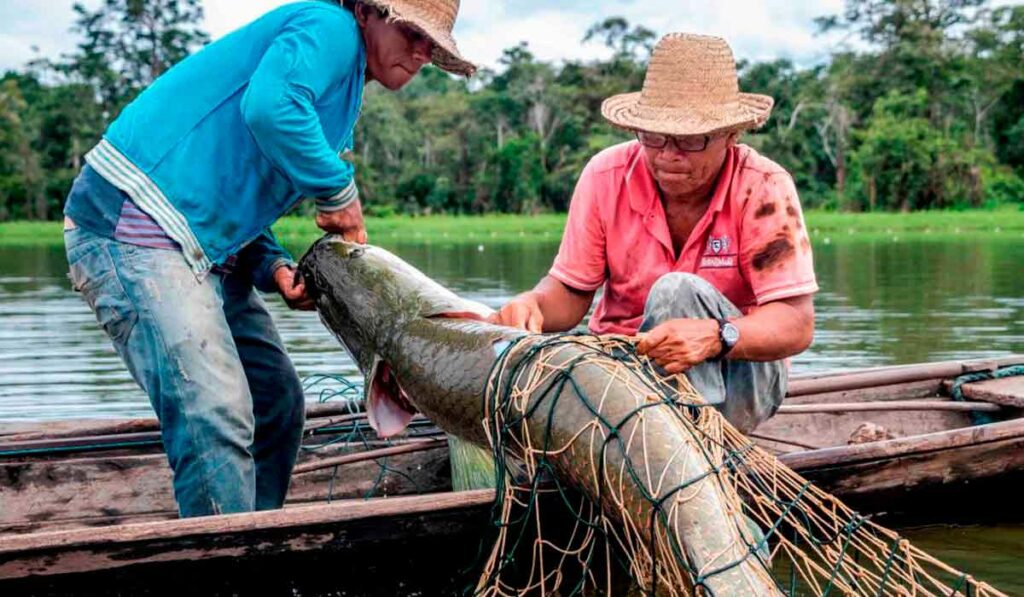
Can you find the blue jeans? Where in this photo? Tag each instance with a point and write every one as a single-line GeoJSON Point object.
{"type": "Point", "coordinates": [746, 392]}
{"type": "Point", "coordinates": [230, 403]}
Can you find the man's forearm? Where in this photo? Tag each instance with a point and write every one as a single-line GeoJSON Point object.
{"type": "Point", "coordinates": [263, 256]}
{"type": "Point", "coordinates": [563, 307]}
{"type": "Point", "coordinates": [775, 331]}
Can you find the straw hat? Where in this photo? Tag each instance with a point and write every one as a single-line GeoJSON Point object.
{"type": "Point", "coordinates": [690, 88]}
{"type": "Point", "coordinates": [435, 18]}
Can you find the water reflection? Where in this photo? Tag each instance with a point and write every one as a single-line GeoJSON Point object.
{"type": "Point", "coordinates": [882, 302]}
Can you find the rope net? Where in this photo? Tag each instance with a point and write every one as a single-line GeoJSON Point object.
{"type": "Point", "coordinates": [351, 430]}
{"type": "Point", "coordinates": [661, 484]}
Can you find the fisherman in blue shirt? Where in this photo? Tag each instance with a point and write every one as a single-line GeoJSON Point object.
{"type": "Point", "coordinates": [167, 227]}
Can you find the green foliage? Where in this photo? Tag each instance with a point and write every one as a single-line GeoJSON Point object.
{"type": "Point", "coordinates": [127, 44]}
{"type": "Point", "coordinates": [929, 115]}
{"type": "Point", "coordinates": [488, 230]}
{"type": "Point", "coordinates": [1003, 186]}
{"type": "Point", "coordinates": [904, 163]}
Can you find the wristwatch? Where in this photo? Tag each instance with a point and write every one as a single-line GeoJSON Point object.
{"type": "Point", "coordinates": [728, 335]}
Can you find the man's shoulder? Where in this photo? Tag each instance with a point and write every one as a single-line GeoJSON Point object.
{"type": "Point", "coordinates": [757, 176]}
{"type": "Point", "coordinates": [312, 11]}
{"type": "Point", "coordinates": [751, 163]}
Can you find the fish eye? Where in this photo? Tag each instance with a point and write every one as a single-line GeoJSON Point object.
{"type": "Point", "coordinates": [356, 253]}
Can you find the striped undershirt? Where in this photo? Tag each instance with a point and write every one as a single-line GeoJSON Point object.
{"type": "Point", "coordinates": [136, 228]}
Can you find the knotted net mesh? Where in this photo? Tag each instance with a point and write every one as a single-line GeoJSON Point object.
{"type": "Point", "coordinates": [651, 477]}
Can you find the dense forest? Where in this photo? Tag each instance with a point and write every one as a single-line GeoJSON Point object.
{"type": "Point", "coordinates": [927, 113]}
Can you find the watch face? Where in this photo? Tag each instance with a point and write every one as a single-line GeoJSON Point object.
{"type": "Point", "coordinates": [730, 334]}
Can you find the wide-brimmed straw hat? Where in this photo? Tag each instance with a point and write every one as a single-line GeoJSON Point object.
{"type": "Point", "coordinates": [435, 18]}
{"type": "Point", "coordinates": [690, 88]}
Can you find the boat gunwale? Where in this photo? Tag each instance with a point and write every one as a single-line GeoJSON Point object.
{"type": "Point", "coordinates": [306, 515]}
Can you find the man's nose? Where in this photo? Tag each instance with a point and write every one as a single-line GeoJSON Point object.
{"type": "Point", "coordinates": [672, 152]}
{"type": "Point", "coordinates": [422, 50]}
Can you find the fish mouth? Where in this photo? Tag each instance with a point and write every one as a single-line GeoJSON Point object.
{"type": "Point", "coordinates": [388, 406]}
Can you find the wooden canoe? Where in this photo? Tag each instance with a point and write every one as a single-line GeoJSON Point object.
{"type": "Point", "coordinates": [92, 499]}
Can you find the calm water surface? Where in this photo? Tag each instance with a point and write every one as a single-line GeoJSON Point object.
{"type": "Point", "coordinates": [882, 301]}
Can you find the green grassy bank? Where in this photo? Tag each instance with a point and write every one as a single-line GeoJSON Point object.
{"type": "Point", "coordinates": [548, 227]}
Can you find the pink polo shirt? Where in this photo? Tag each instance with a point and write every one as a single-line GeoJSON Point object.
{"type": "Point", "coordinates": [751, 244]}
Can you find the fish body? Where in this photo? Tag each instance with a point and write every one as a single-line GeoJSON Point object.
{"type": "Point", "coordinates": [423, 348]}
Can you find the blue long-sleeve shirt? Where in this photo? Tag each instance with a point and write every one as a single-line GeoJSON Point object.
{"type": "Point", "coordinates": [232, 137]}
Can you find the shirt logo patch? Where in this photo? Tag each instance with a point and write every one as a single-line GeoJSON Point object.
{"type": "Point", "coordinates": [718, 244]}
{"type": "Point", "coordinates": [717, 255]}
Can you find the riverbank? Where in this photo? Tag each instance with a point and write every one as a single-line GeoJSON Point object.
{"type": "Point", "coordinates": [548, 227]}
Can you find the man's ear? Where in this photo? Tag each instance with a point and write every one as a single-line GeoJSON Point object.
{"type": "Point", "coordinates": [361, 10]}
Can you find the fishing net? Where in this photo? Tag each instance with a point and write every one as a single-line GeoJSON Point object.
{"type": "Point", "coordinates": [349, 430]}
{"type": "Point", "coordinates": [646, 496]}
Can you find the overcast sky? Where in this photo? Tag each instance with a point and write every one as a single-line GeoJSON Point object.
{"type": "Point", "coordinates": [756, 29]}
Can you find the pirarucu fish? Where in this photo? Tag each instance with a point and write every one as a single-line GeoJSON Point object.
{"type": "Point", "coordinates": [422, 348]}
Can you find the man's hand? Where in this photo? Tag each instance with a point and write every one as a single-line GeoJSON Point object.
{"type": "Point", "coordinates": [347, 222]}
{"type": "Point", "coordinates": [521, 312]}
{"type": "Point", "coordinates": [292, 289]}
{"type": "Point", "coordinates": [678, 344]}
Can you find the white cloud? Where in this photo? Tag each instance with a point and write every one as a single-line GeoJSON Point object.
{"type": "Point", "coordinates": [757, 29]}
{"type": "Point", "coordinates": [551, 35]}
{"type": "Point", "coordinates": [26, 25]}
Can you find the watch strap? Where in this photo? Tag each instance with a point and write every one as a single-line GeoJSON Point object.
{"type": "Point", "coordinates": [726, 346]}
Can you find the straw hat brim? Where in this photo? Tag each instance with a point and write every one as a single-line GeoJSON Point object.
{"type": "Point", "coordinates": [446, 54]}
{"type": "Point", "coordinates": [625, 111]}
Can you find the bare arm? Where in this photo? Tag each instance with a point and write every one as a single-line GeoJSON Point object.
{"type": "Point", "coordinates": [550, 307]}
{"type": "Point", "coordinates": [773, 331]}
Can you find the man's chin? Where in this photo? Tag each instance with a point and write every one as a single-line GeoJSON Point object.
{"type": "Point", "coordinates": [396, 79]}
{"type": "Point", "coordinates": [676, 187]}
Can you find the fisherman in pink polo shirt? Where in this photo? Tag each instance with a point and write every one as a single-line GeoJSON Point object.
{"type": "Point", "coordinates": [697, 240]}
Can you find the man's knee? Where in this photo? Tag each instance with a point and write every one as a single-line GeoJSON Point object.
{"type": "Point", "coordinates": [678, 294]}
{"type": "Point", "coordinates": [680, 286]}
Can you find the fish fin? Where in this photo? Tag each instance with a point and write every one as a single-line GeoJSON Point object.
{"type": "Point", "coordinates": [444, 303]}
{"type": "Point", "coordinates": [387, 405]}
{"type": "Point", "coordinates": [461, 315]}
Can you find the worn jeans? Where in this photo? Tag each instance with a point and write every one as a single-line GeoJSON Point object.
{"type": "Point", "coordinates": [746, 392]}
{"type": "Point", "coordinates": [206, 352]}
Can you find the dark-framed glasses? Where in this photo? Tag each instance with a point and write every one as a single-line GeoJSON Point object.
{"type": "Point", "coordinates": [690, 143]}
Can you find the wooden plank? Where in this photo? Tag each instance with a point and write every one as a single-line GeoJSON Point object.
{"type": "Point", "coordinates": [960, 366]}
{"type": "Point", "coordinates": [913, 390]}
{"type": "Point", "coordinates": [296, 529]}
{"type": "Point", "coordinates": [379, 453]}
{"type": "Point", "coordinates": [61, 494]}
{"type": "Point", "coordinates": [898, 405]}
{"type": "Point", "coordinates": [902, 476]}
{"type": "Point", "coordinates": [74, 428]}
{"type": "Point", "coordinates": [905, 446]}
{"type": "Point", "coordinates": [816, 384]}
{"type": "Point", "coordinates": [32, 430]}
{"type": "Point", "coordinates": [1008, 391]}
{"type": "Point", "coordinates": [50, 444]}
{"type": "Point", "coordinates": [836, 429]}
{"type": "Point", "coordinates": [136, 434]}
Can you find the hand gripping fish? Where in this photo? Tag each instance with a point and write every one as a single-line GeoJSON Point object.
{"type": "Point", "coordinates": [422, 348]}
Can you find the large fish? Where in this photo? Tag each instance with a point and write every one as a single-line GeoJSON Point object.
{"type": "Point", "coordinates": [422, 348]}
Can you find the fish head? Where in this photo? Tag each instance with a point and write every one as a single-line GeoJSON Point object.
{"type": "Point", "coordinates": [366, 295]}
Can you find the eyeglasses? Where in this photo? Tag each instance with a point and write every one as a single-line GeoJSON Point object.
{"type": "Point", "coordinates": [685, 144]}
{"type": "Point", "coordinates": [416, 37]}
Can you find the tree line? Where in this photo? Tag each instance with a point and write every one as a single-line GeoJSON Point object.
{"type": "Point", "coordinates": [927, 113]}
